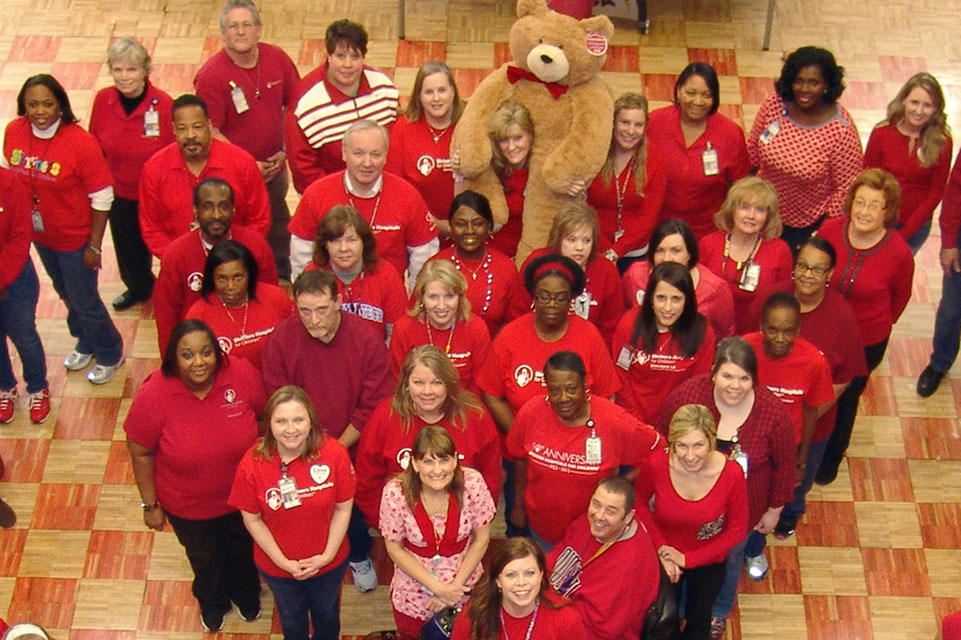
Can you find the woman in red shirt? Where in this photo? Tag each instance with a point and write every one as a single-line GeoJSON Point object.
{"type": "Point", "coordinates": [746, 251]}
{"type": "Point", "coordinates": [241, 311]}
{"type": "Point", "coordinates": [662, 343]}
{"type": "Point", "coordinates": [511, 131]}
{"type": "Point", "coordinates": [914, 144]}
{"type": "Point", "coordinates": [704, 149]}
{"type": "Point", "coordinates": [629, 190]}
{"type": "Point", "coordinates": [693, 501]}
{"type": "Point", "coordinates": [295, 490]}
{"type": "Point", "coordinates": [575, 234]}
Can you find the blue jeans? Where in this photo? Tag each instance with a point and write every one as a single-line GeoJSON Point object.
{"type": "Point", "coordinates": [18, 321]}
{"type": "Point", "coordinates": [917, 240]}
{"type": "Point", "coordinates": [752, 546]}
{"type": "Point", "coordinates": [947, 324]}
{"type": "Point", "coordinates": [358, 535]}
{"type": "Point", "coordinates": [799, 505]}
{"type": "Point", "coordinates": [319, 596]}
{"type": "Point", "coordinates": [87, 318]}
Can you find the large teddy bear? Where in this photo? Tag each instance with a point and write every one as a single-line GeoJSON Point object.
{"type": "Point", "coordinates": [554, 74]}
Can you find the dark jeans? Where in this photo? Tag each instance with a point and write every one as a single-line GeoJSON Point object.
{"type": "Point", "coordinates": [752, 546]}
{"type": "Point", "coordinates": [87, 318]}
{"type": "Point", "coordinates": [511, 530]}
{"type": "Point", "coordinates": [799, 505]}
{"type": "Point", "coordinates": [18, 315]}
{"type": "Point", "coordinates": [947, 324]}
{"type": "Point", "coordinates": [795, 236]}
{"type": "Point", "coordinates": [358, 535]}
{"type": "Point", "coordinates": [133, 257]}
{"type": "Point", "coordinates": [917, 240]}
{"type": "Point", "coordinates": [699, 587]}
{"type": "Point", "coordinates": [319, 596]}
{"type": "Point", "coordinates": [848, 409]}
{"type": "Point", "coordinates": [278, 237]}
{"type": "Point", "coordinates": [221, 553]}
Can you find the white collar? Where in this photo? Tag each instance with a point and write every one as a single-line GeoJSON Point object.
{"type": "Point", "coordinates": [49, 132]}
{"type": "Point", "coordinates": [352, 190]}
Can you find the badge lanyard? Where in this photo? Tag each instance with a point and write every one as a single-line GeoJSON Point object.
{"type": "Point", "coordinates": [151, 121]}
{"type": "Point", "coordinates": [530, 627]}
{"type": "Point", "coordinates": [592, 446]}
{"type": "Point", "coordinates": [750, 271]}
{"type": "Point", "coordinates": [288, 488]}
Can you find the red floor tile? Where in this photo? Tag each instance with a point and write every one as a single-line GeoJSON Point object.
{"type": "Point", "coordinates": [212, 44]}
{"type": "Point", "coordinates": [8, 102]}
{"type": "Point", "coordinates": [65, 506]}
{"type": "Point", "coordinates": [502, 54]}
{"type": "Point", "coordinates": [658, 86]}
{"type": "Point", "coordinates": [24, 459]}
{"type": "Point", "coordinates": [119, 469]}
{"type": "Point", "coordinates": [86, 418]}
{"type": "Point", "coordinates": [11, 541]}
{"type": "Point", "coordinates": [900, 69]}
{"type": "Point", "coordinates": [622, 59]}
{"type": "Point", "coordinates": [91, 634]}
{"type": "Point", "coordinates": [755, 90]}
{"type": "Point", "coordinates": [48, 602]}
{"type": "Point", "coordinates": [723, 60]}
{"type": "Point", "coordinates": [864, 95]}
{"type": "Point", "coordinates": [176, 79]}
{"type": "Point", "coordinates": [76, 76]}
{"type": "Point", "coordinates": [838, 617]}
{"type": "Point", "coordinates": [944, 606]}
{"type": "Point", "coordinates": [896, 572]}
{"type": "Point", "coordinates": [880, 480]}
{"type": "Point", "coordinates": [137, 371]}
{"type": "Point", "coordinates": [940, 525]}
{"type": "Point", "coordinates": [878, 399]}
{"type": "Point", "coordinates": [34, 49]}
{"type": "Point", "coordinates": [828, 524]}
{"type": "Point", "coordinates": [119, 555]}
{"type": "Point", "coordinates": [468, 79]}
{"type": "Point", "coordinates": [783, 576]}
{"type": "Point", "coordinates": [932, 438]}
{"type": "Point", "coordinates": [169, 606]}
{"type": "Point", "coordinates": [312, 53]}
{"type": "Point", "coordinates": [733, 111]}
{"type": "Point", "coordinates": [908, 357]}
{"type": "Point", "coordinates": [412, 53]}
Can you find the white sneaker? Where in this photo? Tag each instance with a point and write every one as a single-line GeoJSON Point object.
{"type": "Point", "coordinates": [102, 374]}
{"type": "Point", "coordinates": [77, 360]}
{"type": "Point", "coordinates": [757, 566]}
{"type": "Point", "coordinates": [365, 576]}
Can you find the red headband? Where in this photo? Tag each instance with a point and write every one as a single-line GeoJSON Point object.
{"type": "Point", "coordinates": [554, 265]}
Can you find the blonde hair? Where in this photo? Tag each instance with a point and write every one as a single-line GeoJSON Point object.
{"type": "Point", "coordinates": [751, 190]}
{"type": "Point", "coordinates": [934, 134]}
{"type": "Point", "coordinates": [508, 113]}
{"type": "Point", "coordinates": [290, 393]}
{"type": "Point", "coordinates": [572, 216]}
{"type": "Point", "coordinates": [444, 272]}
{"type": "Point", "coordinates": [459, 402]}
{"type": "Point", "coordinates": [692, 417]}
{"type": "Point", "coordinates": [639, 164]}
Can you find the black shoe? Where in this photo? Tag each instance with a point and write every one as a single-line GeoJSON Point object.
{"type": "Point", "coordinates": [7, 516]}
{"type": "Point", "coordinates": [785, 526]}
{"type": "Point", "coordinates": [827, 473]}
{"type": "Point", "coordinates": [249, 615]}
{"type": "Point", "coordinates": [928, 381]}
{"type": "Point", "coordinates": [125, 300]}
{"type": "Point", "coordinates": [212, 621]}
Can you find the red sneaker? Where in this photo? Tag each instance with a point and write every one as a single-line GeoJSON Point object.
{"type": "Point", "coordinates": [39, 406]}
{"type": "Point", "coordinates": [8, 401]}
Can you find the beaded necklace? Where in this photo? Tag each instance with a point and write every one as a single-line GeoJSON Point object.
{"type": "Point", "coordinates": [485, 267]}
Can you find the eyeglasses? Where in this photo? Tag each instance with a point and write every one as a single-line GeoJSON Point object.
{"type": "Point", "coordinates": [802, 267]}
{"type": "Point", "coordinates": [240, 26]}
{"type": "Point", "coordinates": [874, 206]}
{"type": "Point", "coordinates": [559, 299]}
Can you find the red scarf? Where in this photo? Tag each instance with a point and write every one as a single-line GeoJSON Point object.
{"type": "Point", "coordinates": [516, 73]}
{"type": "Point", "coordinates": [446, 546]}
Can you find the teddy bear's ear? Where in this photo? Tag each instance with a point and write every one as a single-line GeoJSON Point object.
{"type": "Point", "coordinates": [601, 24]}
{"type": "Point", "coordinates": [528, 7]}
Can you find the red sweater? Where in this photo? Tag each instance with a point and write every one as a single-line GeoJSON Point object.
{"type": "Point", "coordinates": [416, 157]}
{"type": "Point", "coordinates": [377, 296]}
{"type": "Point", "coordinates": [557, 463]}
{"type": "Point", "coordinates": [691, 195]}
{"type": "Point", "coordinates": [563, 623]}
{"type": "Point", "coordinates": [491, 291]}
{"type": "Point", "coordinates": [639, 212]}
{"type": "Point", "coordinates": [469, 345]}
{"type": "Point", "coordinates": [875, 281]}
{"type": "Point", "coordinates": [773, 256]}
{"type": "Point", "coordinates": [703, 530]}
{"type": "Point", "coordinates": [508, 236]}
{"type": "Point", "coordinates": [385, 445]}
{"type": "Point", "coordinates": [167, 188]}
{"type": "Point", "coordinates": [122, 138]}
{"type": "Point", "coordinates": [921, 187]}
{"type": "Point", "coordinates": [647, 378]}
{"type": "Point", "coordinates": [15, 228]}
{"type": "Point", "coordinates": [182, 276]}
{"type": "Point", "coordinates": [601, 303]}
{"type": "Point", "coordinates": [60, 173]}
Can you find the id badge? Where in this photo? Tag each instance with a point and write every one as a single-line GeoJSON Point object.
{"type": "Point", "coordinates": [750, 277]}
{"type": "Point", "coordinates": [618, 234]}
{"type": "Point", "coordinates": [592, 450]}
{"type": "Point", "coordinates": [240, 100]}
{"type": "Point", "coordinates": [582, 305]}
{"type": "Point", "coordinates": [37, 221]}
{"type": "Point", "coordinates": [738, 456]}
{"type": "Point", "coordinates": [151, 123]}
{"type": "Point", "coordinates": [772, 130]}
{"type": "Point", "coordinates": [288, 492]}
{"type": "Point", "coordinates": [624, 358]}
{"type": "Point", "coordinates": [709, 158]}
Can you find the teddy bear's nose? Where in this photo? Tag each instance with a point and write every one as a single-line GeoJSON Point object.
{"type": "Point", "coordinates": [546, 59]}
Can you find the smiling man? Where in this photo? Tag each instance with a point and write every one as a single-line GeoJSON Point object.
{"type": "Point", "coordinates": [330, 98]}
{"type": "Point", "coordinates": [171, 175]}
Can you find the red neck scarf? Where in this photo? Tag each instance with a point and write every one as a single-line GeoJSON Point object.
{"type": "Point", "coordinates": [436, 546]}
{"type": "Point", "coordinates": [516, 73]}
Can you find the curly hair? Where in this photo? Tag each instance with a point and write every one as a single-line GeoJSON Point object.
{"type": "Point", "coordinates": [807, 57]}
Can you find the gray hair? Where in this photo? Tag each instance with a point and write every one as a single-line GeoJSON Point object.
{"type": "Point", "coordinates": [363, 125]}
{"type": "Point", "coordinates": [127, 48]}
{"type": "Point", "coordinates": [230, 5]}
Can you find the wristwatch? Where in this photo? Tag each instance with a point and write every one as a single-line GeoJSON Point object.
{"type": "Point", "coordinates": [149, 507]}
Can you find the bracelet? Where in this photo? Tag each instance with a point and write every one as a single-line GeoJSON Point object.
{"type": "Point", "coordinates": [150, 507]}
{"type": "Point", "coordinates": [96, 250]}
{"type": "Point", "coordinates": [802, 466]}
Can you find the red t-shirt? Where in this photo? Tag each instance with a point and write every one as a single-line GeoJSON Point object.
{"type": "Point", "coordinates": [563, 623]}
{"type": "Point", "coordinates": [300, 532]}
{"type": "Point", "coordinates": [377, 296]}
{"type": "Point", "coordinates": [691, 195]}
{"type": "Point", "coordinates": [267, 87]}
{"type": "Point", "coordinates": [703, 530]}
{"type": "Point", "coordinates": [167, 191]}
{"type": "Point", "coordinates": [397, 215]}
{"type": "Point", "coordinates": [773, 257]}
{"type": "Point", "coordinates": [639, 212]}
{"type": "Point", "coordinates": [508, 236]}
{"type": "Point", "coordinates": [385, 445]}
{"type": "Point", "coordinates": [601, 302]}
{"type": "Point", "coordinates": [515, 368]}
{"type": "Point", "coordinates": [466, 344]}
{"type": "Point", "coordinates": [15, 229]}
{"type": "Point", "coordinates": [491, 283]}
{"type": "Point", "coordinates": [557, 462]}
{"type": "Point", "coordinates": [197, 443]}
{"type": "Point", "coordinates": [122, 138]}
{"type": "Point", "coordinates": [243, 332]}
{"type": "Point", "coordinates": [416, 157]}
{"type": "Point", "coordinates": [60, 174]}
{"type": "Point", "coordinates": [647, 378]}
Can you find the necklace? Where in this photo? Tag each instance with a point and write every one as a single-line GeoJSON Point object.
{"type": "Point", "coordinates": [243, 327]}
{"type": "Point", "coordinates": [485, 267]}
{"type": "Point", "coordinates": [530, 627]}
{"type": "Point", "coordinates": [37, 164]}
{"type": "Point", "coordinates": [435, 133]}
{"type": "Point", "coordinates": [450, 336]}
{"type": "Point", "coordinates": [349, 288]}
{"type": "Point", "coordinates": [621, 191]}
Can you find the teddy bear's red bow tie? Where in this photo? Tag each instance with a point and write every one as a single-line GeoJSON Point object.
{"type": "Point", "coordinates": [516, 73]}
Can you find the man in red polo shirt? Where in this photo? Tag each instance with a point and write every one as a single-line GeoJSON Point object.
{"type": "Point", "coordinates": [171, 174]}
{"type": "Point", "coordinates": [329, 99]}
{"type": "Point", "coordinates": [182, 269]}
{"type": "Point", "coordinates": [246, 86]}
{"type": "Point", "coordinates": [396, 212]}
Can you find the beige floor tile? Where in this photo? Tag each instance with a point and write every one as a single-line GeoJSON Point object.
{"type": "Point", "coordinates": [888, 525]}
{"type": "Point", "coordinates": [772, 616]}
{"type": "Point", "coordinates": [54, 554]}
{"type": "Point", "coordinates": [944, 572]}
{"type": "Point", "coordinates": [119, 509]}
{"type": "Point", "coordinates": [167, 558]}
{"type": "Point", "coordinates": [108, 604]}
{"type": "Point", "coordinates": [832, 571]}
{"type": "Point", "coordinates": [899, 618]}
{"type": "Point", "coordinates": [76, 461]}
{"type": "Point", "coordinates": [936, 480]}
{"type": "Point", "coordinates": [877, 437]}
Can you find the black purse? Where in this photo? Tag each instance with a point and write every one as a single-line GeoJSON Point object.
{"type": "Point", "coordinates": [440, 626]}
{"type": "Point", "coordinates": [661, 621]}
